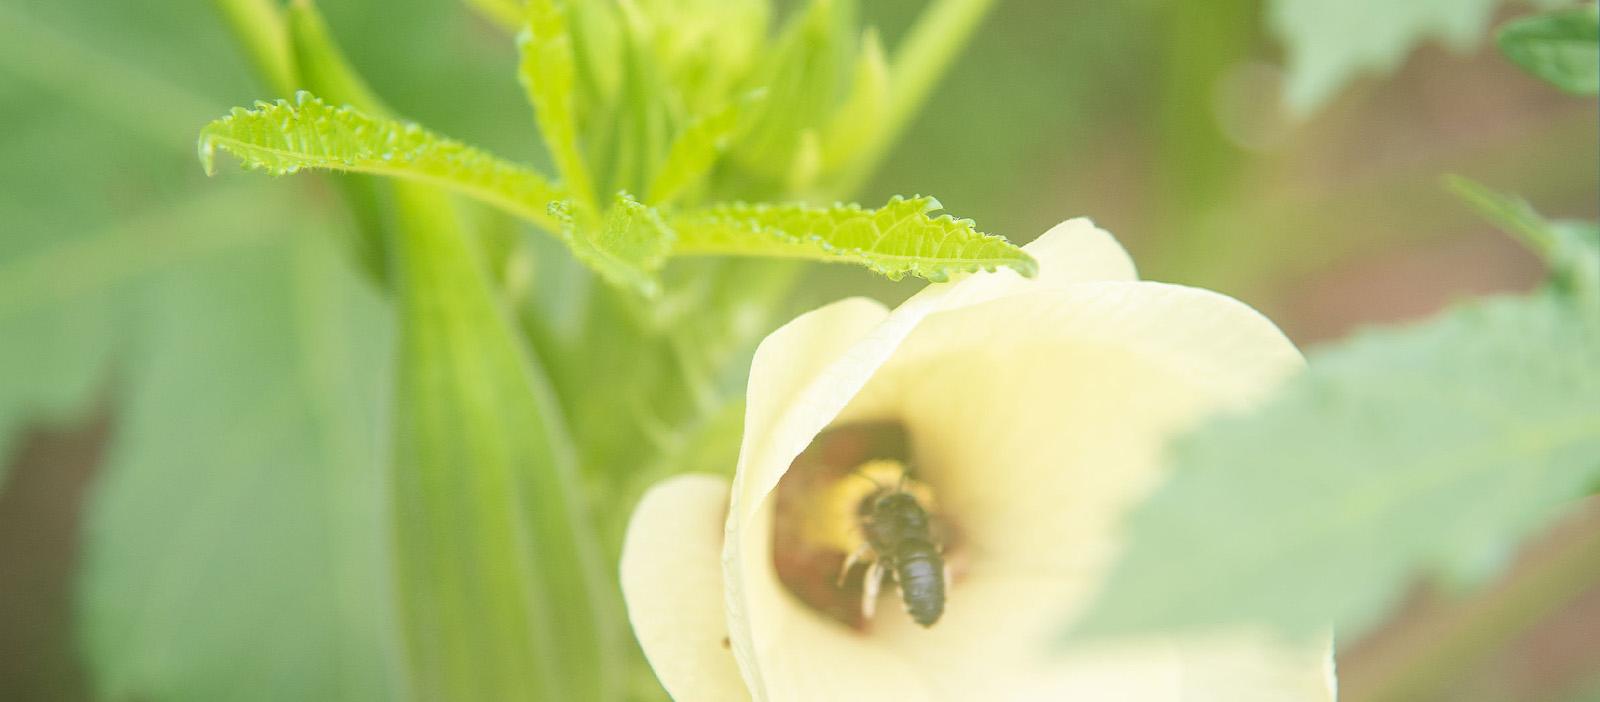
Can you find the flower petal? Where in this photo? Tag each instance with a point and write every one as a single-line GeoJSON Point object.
{"type": "Point", "coordinates": [1038, 414]}
{"type": "Point", "coordinates": [790, 654]}
{"type": "Point", "coordinates": [672, 582]}
{"type": "Point", "coordinates": [1039, 419]}
{"type": "Point", "coordinates": [1076, 251]}
{"type": "Point", "coordinates": [803, 375]}
{"type": "Point", "coordinates": [1244, 668]}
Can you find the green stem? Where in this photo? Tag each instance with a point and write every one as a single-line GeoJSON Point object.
{"type": "Point", "coordinates": [500, 592]}
{"type": "Point", "coordinates": [918, 63]}
{"type": "Point", "coordinates": [259, 26]}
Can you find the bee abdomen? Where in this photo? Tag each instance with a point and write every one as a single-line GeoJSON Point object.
{"type": "Point", "coordinates": [920, 570]}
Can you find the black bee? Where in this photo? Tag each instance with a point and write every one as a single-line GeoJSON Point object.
{"type": "Point", "coordinates": [899, 540]}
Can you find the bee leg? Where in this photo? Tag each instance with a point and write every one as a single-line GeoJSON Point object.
{"type": "Point", "coordinates": [869, 590]}
{"type": "Point", "coordinates": [850, 561]}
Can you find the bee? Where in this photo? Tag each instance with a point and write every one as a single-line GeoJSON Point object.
{"type": "Point", "coordinates": [899, 541]}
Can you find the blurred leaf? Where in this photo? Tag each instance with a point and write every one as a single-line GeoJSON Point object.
{"type": "Point", "coordinates": [641, 118]}
{"type": "Point", "coordinates": [802, 74]}
{"type": "Point", "coordinates": [702, 47]}
{"type": "Point", "coordinates": [230, 543]}
{"type": "Point", "coordinates": [61, 312]}
{"type": "Point", "coordinates": [506, 13]}
{"type": "Point", "coordinates": [923, 56]}
{"type": "Point", "coordinates": [1562, 47]}
{"type": "Point", "coordinates": [597, 39]}
{"type": "Point", "coordinates": [233, 545]}
{"type": "Point", "coordinates": [1330, 42]}
{"type": "Point", "coordinates": [547, 75]}
{"type": "Point", "coordinates": [1430, 450]}
{"type": "Point", "coordinates": [322, 67]}
{"type": "Point", "coordinates": [628, 247]}
{"type": "Point", "coordinates": [282, 138]}
{"type": "Point", "coordinates": [899, 238]}
{"type": "Point", "coordinates": [859, 123]}
{"type": "Point", "coordinates": [498, 574]}
{"type": "Point", "coordinates": [1571, 249]}
{"type": "Point", "coordinates": [696, 148]}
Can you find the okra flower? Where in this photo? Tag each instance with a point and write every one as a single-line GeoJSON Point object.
{"type": "Point", "coordinates": [1034, 413]}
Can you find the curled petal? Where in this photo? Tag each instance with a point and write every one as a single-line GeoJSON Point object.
{"type": "Point", "coordinates": [672, 581]}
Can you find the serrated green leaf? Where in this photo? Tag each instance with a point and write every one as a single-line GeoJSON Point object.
{"type": "Point", "coordinates": [899, 238]}
{"type": "Point", "coordinates": [1561, 47]}
{"type": "Point", "coordinates": [547, 73]}
{"type": "Point", "coordinates": [696, 148]}
{"type": "Point", "coordinates": [1329, 42]}
{"type": "Point", "coordinates": [627, 248]}
{"type": "Point", "coordinates": [1431, 450]}
{"type": "Point", "coordinates": [1571, 249]}
{"type": "Point", "coordinates": [498, 576]}
{"type": "Point", "coordinates": [283, 138]}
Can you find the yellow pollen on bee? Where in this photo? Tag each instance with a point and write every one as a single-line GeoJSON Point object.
{"type": "Point", "coordinates": [836, 519]}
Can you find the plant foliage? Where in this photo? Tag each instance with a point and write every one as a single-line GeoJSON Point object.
{"type": "Point", "coordinates": [1561, 47]}
{"type": "Point", "coordinates": [1330, 42]}
{"type": "Point", "coordinates": [1429, 450]}
{"type": "Point", "coordinates": [899, 238]}
{"type": "Point", "coordinates": [1321, 506]}
{"type": "Point", "coordinates": [283, 137]}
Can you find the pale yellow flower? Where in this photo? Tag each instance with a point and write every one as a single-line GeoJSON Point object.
{"type": "Point", "coordinates": [1037, 412]}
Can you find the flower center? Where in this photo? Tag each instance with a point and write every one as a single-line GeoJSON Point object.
{"type": "Point", "coordinates": [853, 522]}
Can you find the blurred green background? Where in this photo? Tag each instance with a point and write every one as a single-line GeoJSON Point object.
{"type": "Point", "coordinates": [132, 288]}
